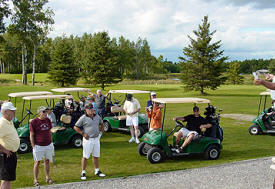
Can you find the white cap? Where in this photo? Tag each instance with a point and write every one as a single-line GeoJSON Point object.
{"type": "Point", "coordinates": [153, 93]}
{"type": "Point", "coordinates": [98, 91]}
{"type": "Point", "coordinates": [7, 106]}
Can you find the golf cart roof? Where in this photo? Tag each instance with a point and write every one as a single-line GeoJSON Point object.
{"type": "Point", "coordinates": [181, 100]}
{"type": "Point", "coordinates": [129, 91]}
{"type": "Point", "coordinates": [74, 89]}
{"type": "Point", "coordinates": [33, 93]}
{"type": "Point", "coordinates": [44, 97]}
{"type": "Point", "coordinates": [265, 93]}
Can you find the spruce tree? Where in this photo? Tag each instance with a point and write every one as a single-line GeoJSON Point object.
{"type": "Point", "coordinates": [63, 70]}
{"type": "Point", "coordinates": [101, 65]}
{"type": "Point", "coordinates": [233, 74]}
{"type": "Point", "coordinates": [202, 65]}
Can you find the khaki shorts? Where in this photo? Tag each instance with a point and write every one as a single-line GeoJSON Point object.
{"type": "Point", "coordinates": [40, 152]}
{"type": "Point", "coordinates": [91, 146]}
{"type": "Point", "coordinates": [186, 133]}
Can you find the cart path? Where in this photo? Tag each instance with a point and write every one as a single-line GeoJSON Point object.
{"type": "Point", "coordinates": [247, 174]}
{"type": "Point", "coordinates": [240, 117]}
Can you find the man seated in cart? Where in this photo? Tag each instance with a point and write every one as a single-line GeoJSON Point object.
{"type": "Point", "coordinates": [194, 126]}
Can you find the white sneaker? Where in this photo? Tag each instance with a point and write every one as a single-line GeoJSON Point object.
{"type": "Point", "coordinates": [132, 139]}
{"type": "Point", "coordinates": [273, 159]}
{"type": "Point", "coordinates": [100, 174]}
{"type": "Point", "coordinates": [83, 176]}
{"type": "Point", "coordinates": [137, 141]}
{"type": "Point", "coordinates": [272, 166]}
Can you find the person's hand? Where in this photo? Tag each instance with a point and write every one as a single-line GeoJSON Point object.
{"type": "Point", "coordinates": [100, 134]}
{"type": "Point", "coordinates": [86, 136]}
{"type": "Point", "coordinates": [174, 119]}
{"type": "Point", "coordinates": [258, 81]}
{"type": "Point", "coordinates": [7, 152]}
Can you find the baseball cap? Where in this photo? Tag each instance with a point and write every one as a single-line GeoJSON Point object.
{"type": "Point", "coordinates": [42, 108]}
{"type": "Point", "coordinates": [98, 91]}
{"type": "Point", "coordinates": [129, 97]}
{"type": "Point", "coordinates": [195, 109]}
{"type": "Point", "coordinates": [153, 93]}
{"type": "Point", "coordinates": [7, 106]}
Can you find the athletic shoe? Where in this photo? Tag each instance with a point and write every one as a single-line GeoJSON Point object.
{"type": "Point", "coordinates": [132, 139]}
{"type": "Point", "coordinates": [273, 159]}
{"type": "Point", "coordinates": [137, 141]}
{"type": "Point", "coordinates": [272, 167]}
{"type": "Point", "coordinates": [179, 150]}
{"type": "Point", "coordinates": [83, 176]}
{"type": "Point", "coordinates": [100, 174]}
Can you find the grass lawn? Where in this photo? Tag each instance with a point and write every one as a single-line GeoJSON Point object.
{"type": "Point", "coordinates": [120, 159]}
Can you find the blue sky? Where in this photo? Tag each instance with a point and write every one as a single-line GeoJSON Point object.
{"type": "Point", "coordinates": [245, 27]}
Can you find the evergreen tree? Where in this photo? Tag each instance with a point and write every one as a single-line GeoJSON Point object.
{"type": "Point", "coordinates": [101, 63]}
{"type": "Point", "coordinates": [202, 65]}
{"type": "Point", "coordinates": [233, 74]}
{"type": "Point", "coordinates": [271, 66]}
{"type": "Point", "coordinates": [63, 69]}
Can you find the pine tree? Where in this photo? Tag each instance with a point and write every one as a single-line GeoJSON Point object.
{"type": "Point", "coordinates": [202, 65]}
{"type": "Point", "coordinates": [233, 74]}
{"type": "Point", "coordinates": [63, 70]}
{"type": "Point", "coordinates": [101, 65]}
{"type": "Point", "coordinates": [271, 66]}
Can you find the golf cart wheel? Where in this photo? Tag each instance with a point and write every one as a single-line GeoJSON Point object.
{"type": "Point", "coordinates": [141, 149]}
{"type": "Point", "coordinates": [24, 147]}
{"type": "Point", "coordinates": [212, 152]}
{"type": "Point", "coordinates": [155, 155]}
{"type": "Point", "coordinates": [140, 131]}
{"type": "Point", "coordinates": [254, 130]}
{"type": "Point", "coordinates": [107, 127]}
{"type": "Point", "coordinates": [77, 141]}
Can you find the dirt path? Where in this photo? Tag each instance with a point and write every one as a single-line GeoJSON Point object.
{"type": "Point", "coordinates": [239, 117]}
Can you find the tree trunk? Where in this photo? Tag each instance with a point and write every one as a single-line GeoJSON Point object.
{"type": "Point", "coordinates": [24, 65]}
{"type": "Point", "coordinates": [102, 86]}
{"type": "Point", "coordinates": [202, 90]}
{"type": "Point", "coordinates": [33, 64]}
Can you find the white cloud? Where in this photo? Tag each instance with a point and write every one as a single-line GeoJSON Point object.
{"type": "Point", "coordinates": [246, 30]}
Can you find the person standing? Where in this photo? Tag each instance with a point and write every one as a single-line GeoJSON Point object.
{"type": "Point", "coordinates": [155, 116]}
{"type": "Point", "coordinates": [100, 102]}
{"type": "Point", "coordinates": [51, 116]}
{"type": "Point", "coordinates": [149, 102]}
{"type": "Point", "coordinates": [131, 108]}
{"type": "Point", "coordinates": [90, 126]}
{"type": "Point", "coordinates": [42, 145]}
{"type": "Point", "coordinates": [9, 144]}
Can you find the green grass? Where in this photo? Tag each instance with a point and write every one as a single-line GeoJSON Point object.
{"type": "Point", "coordinates": [120, 159]}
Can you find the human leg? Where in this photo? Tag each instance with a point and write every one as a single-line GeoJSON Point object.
{"type": "Point", "coordinates": [5, 184]}
{"type": "Point", "coordinates": [35, 171]}
{"type": "Point", "coordinates": [178, 137]}
{"type": "Point", "coordinates": [47, 168]}
{"type": "Point", "coordinates": [188, 140]}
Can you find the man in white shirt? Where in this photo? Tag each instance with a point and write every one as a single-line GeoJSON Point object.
{"type": "Point", "coordinates": [132, 107]}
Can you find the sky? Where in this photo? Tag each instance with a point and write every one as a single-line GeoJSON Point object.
{"type": "Point", "coordinates": [246, 28]}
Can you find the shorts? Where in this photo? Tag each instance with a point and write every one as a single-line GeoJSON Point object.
{"type": "Point", "coordinates": [132, 121]}
{"type": "Point", "coordinates": [8, 166]}
{"type": "Point", "coordinates": [91, 146]}
{"type": "Point", "coordinates": [186, 133]}
{"type": "Point", "coordinates": [40, 152]}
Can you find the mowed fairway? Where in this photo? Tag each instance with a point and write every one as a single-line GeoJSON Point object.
{"type": "Point", "coordinates": [120, 158]}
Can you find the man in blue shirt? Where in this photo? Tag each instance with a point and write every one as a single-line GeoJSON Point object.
{"type": "Point", "coordinates": [149, 102]}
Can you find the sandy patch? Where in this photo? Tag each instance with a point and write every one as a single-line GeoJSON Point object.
{"type": "Point", "coordinates": [240, 117]}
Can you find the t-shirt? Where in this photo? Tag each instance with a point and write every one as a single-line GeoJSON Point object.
{"type": "Point", "coordinates": [194, 123]}
{"type": "Point", "coordinates": [8, 136]}
{"type": "Point", "coordinates": [42, 131]}
{"type": "Point", "coordinates": [100, 101]}
{"type": "Point", "coordinates": [149, 103]}
{"type": "Point", "coordinates": [131, 106]}
{"type": "Point", "coordinates": [90, 125]}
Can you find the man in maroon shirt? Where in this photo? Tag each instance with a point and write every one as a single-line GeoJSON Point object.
{"type": "Point", "coordinates": [41, 141]}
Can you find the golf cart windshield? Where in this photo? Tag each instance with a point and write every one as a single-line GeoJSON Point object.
{"type": "Point", "coordinates": [264, 95]}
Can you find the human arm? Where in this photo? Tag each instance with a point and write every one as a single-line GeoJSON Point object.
{"type": "Point", "coordinates": [178, 118]}
{"type": "Point", "coordinates": [79, 131]}
{"type": "Point", "coordinates": [32, 138]}
{"type": "Point", "coordinates": [5, 151]}
{"type": "Point", "coordinates": [207, 126]}
{"type": "Point", "coordinates": [267, 84]}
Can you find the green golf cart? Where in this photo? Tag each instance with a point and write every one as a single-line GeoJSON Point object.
{"type": "Point", "coordinates": [116, 118]}
{"type": "Point", "coordinates": [264, 123]}
{"type": "Point", "coordinates": [62, 134]}
{"type": "Point", "coordinates": [155, 145]}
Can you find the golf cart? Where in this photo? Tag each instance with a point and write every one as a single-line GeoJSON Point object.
{"type": "Point", "coordinates": [264, 123]}
{"type": "Point", "coordinates": [116, 118]}
{"type": "Point", "coordinates": [62, 134]}
{"type": "Point", "coordinates": [155, 145]}
{"type": "Point", "coordinates": [14, 96]}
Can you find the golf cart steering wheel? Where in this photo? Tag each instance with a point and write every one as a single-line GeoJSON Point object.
{"type": "Point", "coordinates": [179, 123]}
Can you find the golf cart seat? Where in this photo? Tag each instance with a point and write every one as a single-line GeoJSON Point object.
{"type": "Point", "coordinates": [66, 118]}
{"type": "Point", "coordinates": [118, 109]}
{"type": "Point", "coordinates": [57, 128]}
